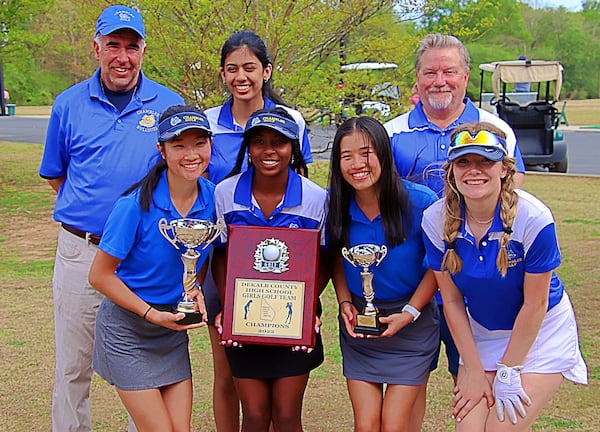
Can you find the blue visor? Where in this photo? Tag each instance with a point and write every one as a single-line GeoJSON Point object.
{"type": "Point", "coordinates": [174, 125]}
{"type": "Point", "coordinates": [483, 143]}
{"type": "Point", "coordinates": [284, 126]}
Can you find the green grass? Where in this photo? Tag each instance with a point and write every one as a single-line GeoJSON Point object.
{"type": "Point", "coordinates": [27, 242]}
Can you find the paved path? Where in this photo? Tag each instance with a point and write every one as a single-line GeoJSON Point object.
{"type": "Point", "coordinates": [583, 144]}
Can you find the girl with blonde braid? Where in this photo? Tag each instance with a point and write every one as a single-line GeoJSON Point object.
{"type": "Point", "coordinates": [494, 250]}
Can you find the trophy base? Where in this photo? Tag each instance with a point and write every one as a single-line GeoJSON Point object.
{"type": "Point", "coordinates": [369, 325]}
{"type": "Point", "coordinates": [190, 318]}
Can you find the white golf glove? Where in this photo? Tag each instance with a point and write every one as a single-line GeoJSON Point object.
{"type": "Point", "coordinates": [508, 392]}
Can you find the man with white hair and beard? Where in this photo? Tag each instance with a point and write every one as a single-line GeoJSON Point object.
{"type": "Point", "coordinates": [420, 140]}
{"type": "Point", "coordinates": [420, 137]}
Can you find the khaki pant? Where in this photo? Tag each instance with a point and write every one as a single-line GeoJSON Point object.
{"type": "Point", "coordinates": [75, 307]}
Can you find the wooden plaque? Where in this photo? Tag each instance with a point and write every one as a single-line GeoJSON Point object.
{"type": "Point", "coordinates": [271, 285]}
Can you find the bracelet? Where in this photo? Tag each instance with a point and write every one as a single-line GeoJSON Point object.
{"type": "Point", "coordinates": [411, 310]}
{"type": "Point", "coordinates": [146, 313]}
{"type": "Point", "coordinates": [344, 301]}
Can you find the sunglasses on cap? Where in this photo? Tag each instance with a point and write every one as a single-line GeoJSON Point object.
{"type": "Point", "coordinates": [483, 143]}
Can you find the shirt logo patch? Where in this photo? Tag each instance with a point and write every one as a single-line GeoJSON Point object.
{"type": "Point", "coordinates": [513, 257]}
{"type": "Point", "coordinates": [148, 121]}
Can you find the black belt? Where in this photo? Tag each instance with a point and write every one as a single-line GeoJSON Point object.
{"type": "Point", "coordinates": [89, 237]}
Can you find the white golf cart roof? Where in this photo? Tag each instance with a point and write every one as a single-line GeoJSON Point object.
{"type": "Point", "coordinates": [514, 71]}
{"type": "Point", "coordinates": [368, 66]}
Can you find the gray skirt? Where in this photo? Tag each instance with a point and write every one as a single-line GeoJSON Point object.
{"type": "Point", "coordinates": [134, 354]}
{"type": "Point", "coordinates": [402, 359]}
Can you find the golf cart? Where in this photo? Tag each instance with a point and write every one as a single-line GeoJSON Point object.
{"type": "Point", "coordinates": [381, 93]}
{"type": "Point", "coordinates": [531, 114]}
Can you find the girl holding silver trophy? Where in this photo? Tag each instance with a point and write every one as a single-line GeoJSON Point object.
{"type": "Point", "coordinates": [140, 347]}
{"type": "Point", "coordinates": [389, 325]}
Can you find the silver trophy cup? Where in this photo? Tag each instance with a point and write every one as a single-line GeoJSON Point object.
{"type": "Point", "coordinates": [365, 255]}
{"type": "Point", "coordinates": [192, 234]}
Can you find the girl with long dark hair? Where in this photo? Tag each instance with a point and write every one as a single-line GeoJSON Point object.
{"type": "Point", "coordinates": [370, 204]}
{"type": "Point", "coordinates": [140, 347]}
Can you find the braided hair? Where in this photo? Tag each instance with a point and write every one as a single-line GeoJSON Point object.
{"type": "Point", "coordinates": [508, 206]}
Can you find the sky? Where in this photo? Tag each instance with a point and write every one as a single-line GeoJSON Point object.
{"type": "Point", "coordinates": [574, 5]}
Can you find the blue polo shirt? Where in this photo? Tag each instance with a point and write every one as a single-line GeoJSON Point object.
{"type": "Point", "coordinates": [494, 301]}
{"type": "Point", "coordinates": [401, 270]}
{"type": "Point", "coordinates": [151, 266]}
{"type": "Point", "coordinates": [99, 150]}
{"type": "Point", "coordinates": [227, 139]}
{"type": "Point", "coordinates": [304, 204]}
{"type": "Point", "coordinates": [420, 147]}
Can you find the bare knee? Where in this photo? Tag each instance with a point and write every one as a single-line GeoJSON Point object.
{"type": "Point", "coordinates": [287, 421]}
{"type": "Point", "coordinates": [255, 421]}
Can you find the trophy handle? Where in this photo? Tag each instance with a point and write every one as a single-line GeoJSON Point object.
{"type": "Point", "coordinates": [218, 229]}
{"type": "Point", "coordinates": [382, 253]}
{"type": "Point", "coordinates": [346, 254]}
{"type": "Point", "coordinates": [164, 227]}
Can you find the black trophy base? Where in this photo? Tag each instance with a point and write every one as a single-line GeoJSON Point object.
{"type": "Point", "coordinates": [369, 325]}
{"type": "Point", "coordinates": [190, 318]}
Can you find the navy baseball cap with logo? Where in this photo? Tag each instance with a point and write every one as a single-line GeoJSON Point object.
{"type": "Point", "coordinates": [119, 17]}
{"type": "Point", "coordinates": [178, 123]}
{"type": "Point", "coordinates": [284, 126]}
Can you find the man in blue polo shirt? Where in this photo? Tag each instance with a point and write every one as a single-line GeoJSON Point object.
{"type": "Point", "coordinates": [101, 136]}
{"type": "Point", "coordinates": [420, 138]}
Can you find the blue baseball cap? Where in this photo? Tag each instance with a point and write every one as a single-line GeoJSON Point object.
{"type": "Point", "coordinates": [284, 126]}
{"type": "Point", "coordinates": [118, 17]}
{"type": "Point", "coordinates": [178, 123]}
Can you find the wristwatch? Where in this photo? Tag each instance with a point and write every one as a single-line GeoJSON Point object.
{"type": "Point", "coordinates": [411, 310]}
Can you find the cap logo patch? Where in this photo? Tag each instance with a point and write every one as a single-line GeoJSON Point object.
{"type": "Point", "coordinates": [192, 118]}
{"type": "Point", "coordinates": [255, 121]}
{"type": "Point", "coordinates": [175, 121]}
{"type": "Point", "coordinates": [124, 16]}
{"type": "Point", "coordinates": [269, 119]}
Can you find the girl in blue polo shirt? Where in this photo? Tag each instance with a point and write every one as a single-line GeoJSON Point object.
{"type": "Point", "coordinates": [270, 380]}
{"type": "Point", "coordinates": [495, 249]}
{"type": "Point", "coordinates": [246, 70]}
{"type": "Point", "coordinates": [140, 348]}
{"type": "Point", "coordinates": [370, 205]}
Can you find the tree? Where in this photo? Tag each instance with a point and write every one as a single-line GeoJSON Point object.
{"type": "Point", "coordinates": [19, 41]}
{"type": "Point", "coordinates": [469, 20]}
{"type": "Point", "coordinates": [303, 38]}
{"type": "Point", "coordinates": [569, 37]}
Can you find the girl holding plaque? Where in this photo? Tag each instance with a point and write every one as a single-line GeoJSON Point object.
{"type": "Point", "coordinates": [270, 380]}
{"type": "Point", "coordinates": [246, 70]}
{"type": "Point", "coordinates": [493, 250]}
{"type": "Point", "coordinates": [371, 206]}
{"type": "Point", "coordinates": [140, 348]}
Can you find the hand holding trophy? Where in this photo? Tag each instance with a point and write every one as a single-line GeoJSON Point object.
{"type": "Point", "coordinates": [191, 234]}
{"type": "Point", "coordinates": [365, 255]}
